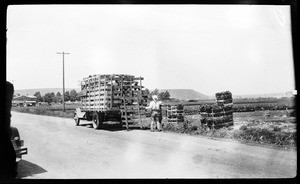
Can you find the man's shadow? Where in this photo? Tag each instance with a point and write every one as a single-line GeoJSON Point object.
{"type": "Point", "coordinates": [26, 169]}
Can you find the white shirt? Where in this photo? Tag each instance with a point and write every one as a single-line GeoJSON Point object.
{"type": "Point", "coordinates": [154, 105]}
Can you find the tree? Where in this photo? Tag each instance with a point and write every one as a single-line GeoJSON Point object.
{"type": "Point", "coordinates": [146, 92]}
{"type": "Point", "coordinates": [58, 97]}
{"type": "Point", "coordinates": [73, 95]}
{"type": "Point", "coordinates": [52, 95]}
{"type": "Point", "coordinates": [38, 96]}
{"type": "Point", "coordinates": [67, 96]}
{"type": "Point", "coordinates": [164, 95]}
{"type": "Point", "coordinates": [48, 97]}
{"type": "Point", "coordinates": [155, 92]}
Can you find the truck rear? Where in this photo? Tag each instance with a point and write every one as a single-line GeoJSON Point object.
{"type": "Point", "coordinates": [115, 97]}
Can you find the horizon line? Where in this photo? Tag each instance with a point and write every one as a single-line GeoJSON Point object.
{"type": "Point", "coordinates": [267, 93]}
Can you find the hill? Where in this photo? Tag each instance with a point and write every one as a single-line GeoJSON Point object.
{"type": "Point", "coordinates": [266, 95]}
{"type": "Point", "coordinates": [185, 94]}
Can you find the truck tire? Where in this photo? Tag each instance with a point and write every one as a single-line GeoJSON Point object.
{"type": "Point", "coordinates": [121, 124]}
{"type": "Point", "coordinates": [77, 120]}
{"type": "Point", "coordinates": [97, 120]}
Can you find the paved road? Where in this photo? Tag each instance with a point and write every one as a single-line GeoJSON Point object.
{"type": "Point", "coordinates": [58, 149]}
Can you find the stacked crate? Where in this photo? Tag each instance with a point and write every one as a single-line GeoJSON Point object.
{"type": "Point", "coordinates": [224, 100]}
{"type": "Point", "coordinates": [114, 92]}
{"type": "Point", "coordinates": [221, 114]}
{"type": "Point", "coordinates": [175, 113]}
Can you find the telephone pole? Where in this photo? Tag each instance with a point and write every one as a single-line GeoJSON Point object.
{"type": "Point", "coordinates": [63, 54]}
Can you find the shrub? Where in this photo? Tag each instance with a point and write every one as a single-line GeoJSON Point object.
{"type": "Point", "coordinates": [220, 133]}
{"type": "Point", "coordinates": [271, 135]}
{"type": "Point", "coordinates": [169, 126]}
{"type": "Point", "coordinates": [192, 127]}
{"type": "Point", "coordinates": [40, 111]}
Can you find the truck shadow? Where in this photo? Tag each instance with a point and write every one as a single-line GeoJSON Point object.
{"type": "Point", "coordinates": [26, 169]}
{"type": "Point", "coordinates": [113, 127]}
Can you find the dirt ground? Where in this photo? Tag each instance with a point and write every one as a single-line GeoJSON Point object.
{"type": "Point", "coordinates": [57, 149]}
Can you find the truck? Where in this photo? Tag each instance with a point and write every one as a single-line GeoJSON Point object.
{"type": "Point", "coordinates": [111, 97]}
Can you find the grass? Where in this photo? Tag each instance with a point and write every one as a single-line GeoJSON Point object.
{"type": "Point", "coordinates": [54, 110]}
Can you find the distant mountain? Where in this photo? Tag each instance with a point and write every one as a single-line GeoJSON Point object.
{"type": "Point", "coordinates": [185, 94]}
{"type": "Point", "coordinates": [266, 95]}
{"type": "Point", "coordinates": [43, 91]}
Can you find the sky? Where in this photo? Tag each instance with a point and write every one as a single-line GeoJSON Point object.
{"type": "Point", "coordinates": [246, 49]}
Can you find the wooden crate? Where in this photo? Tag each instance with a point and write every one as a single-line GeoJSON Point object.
{"type": "Point", "coordinates": [174, 114]}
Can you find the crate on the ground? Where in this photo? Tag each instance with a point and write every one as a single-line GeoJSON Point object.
{"type": "Point", "coordinates": [175, 113]}
{"type": "Point", "coordinates": [218, 115]}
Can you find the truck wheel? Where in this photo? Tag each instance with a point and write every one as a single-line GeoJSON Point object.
{"type": "Point", "coordinates": [121, 124]}
{"type": "Point", "coordinates": [14, 133]}
{"type": "Point", "coordinates": [97, 122]}
{"type": "Point", "coordinates": [77, 120]}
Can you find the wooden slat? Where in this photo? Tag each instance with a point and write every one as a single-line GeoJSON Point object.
{"type": "Point", "coordinates": [138, 78]}
{"type": "Point", "coordinates": [134, 98]}
{"type": "Point", "coordinates": [133, 116]}
{"type": "Point", "coordinates": [133, 106]}
{"type": "Point", "coordinates": [128, 123]}
{"type": "Point", "coordinates": [133, 111]}
{"type": "Point", "coordinates": [175, 111]}
{"type": "Point", "coordinates": [107, 87]}
{"type": "Point", "coordinates": [224, 113]}
{"type": "Point", "coordinates": [176, 114]}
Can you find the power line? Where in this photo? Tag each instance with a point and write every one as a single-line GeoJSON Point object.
{"type": "Point", "coordinates": [63, 54]}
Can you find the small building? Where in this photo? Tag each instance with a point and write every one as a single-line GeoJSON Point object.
{"type": "Point", "coordinates": [23, 101]}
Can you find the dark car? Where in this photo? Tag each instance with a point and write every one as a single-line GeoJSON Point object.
{"type": "Point", "coordinates": [17, 143]}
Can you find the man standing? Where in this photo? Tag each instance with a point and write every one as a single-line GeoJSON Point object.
{"type": "Point", "coordinates": [156, 114]}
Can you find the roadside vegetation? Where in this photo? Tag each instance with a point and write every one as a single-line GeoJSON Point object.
{"type": "Point", "coordinates": [278, 129]}
{"type": "Point", "coordinates": [50, 110]}
{"type": "Point", "coordinates": [275, 126]}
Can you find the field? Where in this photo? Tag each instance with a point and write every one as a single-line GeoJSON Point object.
{"type": "Point", "coordinates": [246, 105]}
{"type": "Point", "coordinates": [273, 126]}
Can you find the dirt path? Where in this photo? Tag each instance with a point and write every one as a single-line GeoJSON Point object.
{"type": "Point", "coordinates": [59, 149]}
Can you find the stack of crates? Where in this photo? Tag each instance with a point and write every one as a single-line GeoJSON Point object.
{"type": "Point", "coordinates": [219, 115]}
{"type": "Point", "coordinates": [175, 113]}
{"type": "Point", "coordinates": [224, 100]}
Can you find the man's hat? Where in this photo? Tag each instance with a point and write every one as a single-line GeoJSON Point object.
{"type": "Point", "coordinates": [154, 97]}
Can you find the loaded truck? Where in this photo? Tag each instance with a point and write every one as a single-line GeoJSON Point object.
{"type": "Point", "coordinates": [111, 97]}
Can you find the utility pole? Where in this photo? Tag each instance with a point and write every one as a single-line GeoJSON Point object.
{"type": "Point", "coordinates": [63, 54]}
